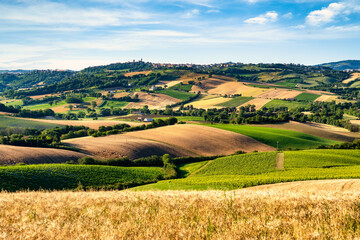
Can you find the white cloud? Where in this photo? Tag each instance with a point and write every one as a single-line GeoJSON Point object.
{"type": "Point", "coordinates": [271, 16]}
{"type": "Point", "coordinates": [326, 14]}
{"type": "Point", "coordinates": [192, 13]}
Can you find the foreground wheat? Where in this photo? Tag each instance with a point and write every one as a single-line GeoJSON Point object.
{"type": "Point", "coordinates": [179, 215]}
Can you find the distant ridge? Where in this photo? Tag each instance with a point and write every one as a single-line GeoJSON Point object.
{"type": "Point", "coordinates": [343, 65]}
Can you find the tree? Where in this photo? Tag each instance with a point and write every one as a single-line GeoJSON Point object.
{"type": "Point", "coordinates": [71, 107]}
{"type": "Point", "coordinates": [93, 104]}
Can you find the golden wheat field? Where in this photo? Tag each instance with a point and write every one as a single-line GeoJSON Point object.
{"type": "Point", "coordinates": [242, 214]}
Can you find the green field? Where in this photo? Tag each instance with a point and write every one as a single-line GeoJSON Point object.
{"type": "Point", "coordinates": [44, 106]}
{"type": "Point", "coordinates": [182, 87]}
{"type": "Point", "coordinates": [63, 176]}
{"type": "Point", "coordinates": [309, 97]}
{"type": "Point", "coordinates": [177, 94]}
{"type": "Point", "coordinates": [270, 136]}
{"type": "Point", "coordinates": [282, 103]}
{"type": "Point", "coordinates": [13, 102]}
{"type": "Point", "coordinates": [22, 123]}
{"type": "Point", "coordinates": [184, 118]}
{"type": "Point", "coordinates": [238, 171]}
{"type": "Point", "coordinates": [287, 84]}
{"type": "Point", "coordinates": [235, 102]}
{"type": "Point", "coordinates": [115, 104]}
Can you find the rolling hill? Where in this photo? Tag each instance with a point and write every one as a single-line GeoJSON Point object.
{"type": "Point", "coordinates": [343, 65]}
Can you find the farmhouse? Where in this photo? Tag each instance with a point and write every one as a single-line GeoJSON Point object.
{"type": "Point", "coordinates": [148, 120]}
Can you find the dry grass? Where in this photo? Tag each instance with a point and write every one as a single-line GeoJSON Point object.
{"type": "Point", "coordinates": [354, 76]}
{"type": "Point", "coordinates": [326, 98]}
{"type": "Point", "coordinates": [130, 74]}
{"type": "Point", "coordinates": [94, 124]}
{"type": "Point", "coordinates": [153, 100]}
{"type": "Point", "coordinates": [209, 101]}
{"type": "Point", "coordinates": [258, 102]}
{"type": "Point", "coordinates": [14, 154]}
{"type": "Point", "coordinates": [357, 122]}
{"type": "Point", "coordinates": [202, 140]}
{"type": "Point", "coordinates": [243, 214]}
{"type": "Point", "coordinates": [231, 88]}
{"type": "Point", "coordinates": [279, 94]}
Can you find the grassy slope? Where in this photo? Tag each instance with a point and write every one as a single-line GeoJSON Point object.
{"type": "Point", "coordinates": [235, 102]}
{"type": "Point", "coordinates": [63, 176]}
{"type": "Point", "coordinates": [239, 171]}
{"type": "Point", "coordinates": [22, 123]}
{"type": "Point", "coordinates": [282, 103]}
{"type": "Point", "coordinates": [271, 136]}
{"type": "Point", "coordinates": [177, 94]}
{"type": "Point", "coordinates": [307, 97]}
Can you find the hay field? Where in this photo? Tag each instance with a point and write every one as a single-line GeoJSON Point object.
{"type": "Point", "coordinates": [202, 140]}
{"type": "Point", "coordinates": [354, 77]}
{"type": "Point", "coordinates": [209, 101]}
{"type": "Point", "coordinates": [130, 74]}
{"type": "Point", "coordinates": [279, 94]}
{"type": "Point", "coordinates": [258, 102]}
{"type": "Point", "coordinates": [326, 98]}
{"type": "Point", "coordinates": [330, 132]}
{"type": "Point", "coordinates": [153, 100]}
{"type": "Point", "coordinates": [253, 213]}
{"type": "Point", "coordinates": [231, 88]}
{"type": "Point", "coordinates": [14, 154]}
{"type": "Point", "coordinates": [94, 124]}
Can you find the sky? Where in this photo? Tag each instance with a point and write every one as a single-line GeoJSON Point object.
{"type": "Point", "coordinates": [74, 34]}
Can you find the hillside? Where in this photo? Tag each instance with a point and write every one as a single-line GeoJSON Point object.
{"type": "Point", "coordinates": [343, 65]}
{"type": "Point", "coordinates": [177, 140]}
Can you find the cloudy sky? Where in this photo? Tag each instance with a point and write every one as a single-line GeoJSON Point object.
{"type": "Point", "coordinates": [73, 34]}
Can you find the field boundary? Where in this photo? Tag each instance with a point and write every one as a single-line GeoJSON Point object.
{"type": "Point", "coordinates": [280, 161]}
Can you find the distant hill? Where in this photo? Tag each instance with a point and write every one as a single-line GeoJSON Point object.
{"type": "Point", "coordinates": [15, 71]}
{"type": "Point", "coordinates": [343, 65]}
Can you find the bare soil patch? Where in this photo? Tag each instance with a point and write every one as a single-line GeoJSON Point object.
{"type": "Point", "coordinates": [122, 145]}
{"type": "Point", "coordinates": [30, 155]}
{"type": "Point", "coordinates": [202, 140]}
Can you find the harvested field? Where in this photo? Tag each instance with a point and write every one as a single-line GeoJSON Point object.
{"type": "Point", "coordinates": [311, 187]}
{"type": "Point", "coordinates": [357, 122]}
{"type": "Point", "coordinates": [326, 98]}
{"type": "Point", "coordinates": [153, 100]}
{"type": "Point", "coordinates": [121, 145]}
{"type": "Point", "coordinates": [30, 155]}
{"type": "Point", "coordinates": [279, 94]}
{"type": "Point", "coordinates": [202, 140]}
{"type": "Point", "coordinates": [43, 95]}
{"type": "Point", "coordinates": [168, 84]}
{"type": "Point", "coordinates": [354, 77]}
{"type": "Point", "coordinates": [254, 213]}
{"type": "Point", "coordinates": [258, 102]}
{"type": "Point", "coordinates": [121, 94]}
{"type": "Point", "coordinates": [94, 124]}
{"type": "Point", "coordinates": [61, 108]}
{"type": "Point", "coordinates": [231, 88]}
{"type": "Point", "coordinates": [130, 74]}
{"type": "Point", "coordinates": [318, 92]}
{"type": "Point", "coordinates": [329, 132]}
{"type": "Point", "coordinates": [209, 102]}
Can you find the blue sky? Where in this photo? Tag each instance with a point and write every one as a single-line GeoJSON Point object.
{"type": "Point", "coordinates": [73, 34]}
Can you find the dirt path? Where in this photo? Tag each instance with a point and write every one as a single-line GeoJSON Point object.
{"type": "Point", "coordinates": [280, 159]}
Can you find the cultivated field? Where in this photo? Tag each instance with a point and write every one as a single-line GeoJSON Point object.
{"type": "Point", "coordinates": [153, 101]}
{"type": "Point", "coordinates": [243, 214]}
{"type": "Point", "coordinates": [326, 98]}
{"type": "Point", "coordinates": [279, 94]}
{"type": "Point", "coordinates": [30, 155]}
{"type": "Point", "coordinates": [209, 101]}
{"type": "Point", "coordinates": [316, 129]}
{"type": "Point", "coordinates": [202, 140]}
{"type": "Point", "coordinates": [258, 102]}
{"type": "Point", "coordinates": [354, 76]}
{"type": "Point", "coordinates": [231, 88]}
{"type": "Point", "coordinates": [130, 74]}
{"type": "Point", "coordinates": [116, 146]}
{"type": "Point", "coordinates": [7, 121]}
{"type": "Point", "coordinates": [94, 124]}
